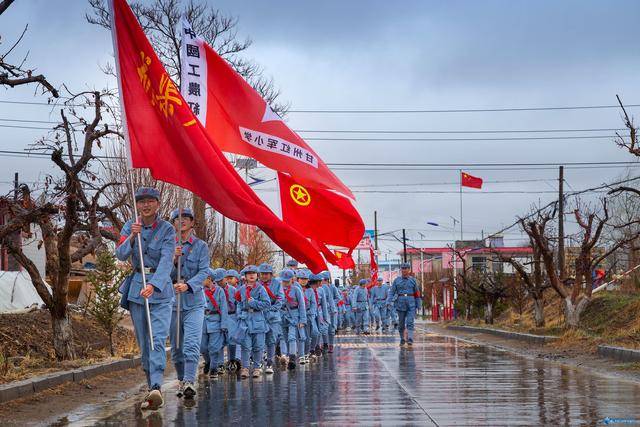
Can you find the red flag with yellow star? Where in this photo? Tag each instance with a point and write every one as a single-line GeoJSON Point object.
{"type": "Point", "coordinates": [324, 216]}
{"type": "Point", "coordinates": [471, 181]}
{"type": "Point", "coordinates": [163, 134]}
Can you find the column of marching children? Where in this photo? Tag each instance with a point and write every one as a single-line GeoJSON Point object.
{"type": "Point", "coordinates": [245, 323]}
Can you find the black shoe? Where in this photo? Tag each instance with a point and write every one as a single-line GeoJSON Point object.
{"type": "Point", "coordinates": [377, 327]}
{"type": "Point", "coordinates": [205, 368]}
{"type": "Point", "coordinates": [318, 351]}
{"type": "Point", "coordinates": [402, 343]}
{"type": "Point", "coordinates": [292, 363]}
{"type": "Point", "coordinates": [278, 352]}
{"type": "Point", "coordinates": [325, 348]}
{"type": "Point", "coordinates": [410, 342]}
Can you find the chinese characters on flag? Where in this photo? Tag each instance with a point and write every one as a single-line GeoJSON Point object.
{"type": "Point", "coordinates": [163, 135]}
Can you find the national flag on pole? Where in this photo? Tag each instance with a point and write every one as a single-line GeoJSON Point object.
{"type": "Point", "coordinates": [322, 215]}
{"type": "Point", "coordinates": [241, 122]}
{"type": "Point", "coordinates": [162, 134]}
{"type": "Point", "coordinates": [467, 180]}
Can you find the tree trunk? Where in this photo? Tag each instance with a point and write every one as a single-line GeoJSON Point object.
{"type": "Point", "coordinates": [113, 353]}
{"type": "Point", "coordinates": [538, 312]}
{"type": "Point", "coordinates": [199, 212]}
{"type": "Point", "coordinates": [62, 337]}
{"type": "Point", "coordinates": [488, 312]}
{"type": "Point", "coordinates": [572, 311]}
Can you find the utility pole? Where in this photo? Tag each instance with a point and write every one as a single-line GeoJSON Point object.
{"type": "Point", "coordinates": [561, 222]}
{"type": "Point", "coordinates": [404, 245]}
{"type": "Point", "coordinates": [375, 228]}
{"type": "Point", "coordinates": [16, 184]}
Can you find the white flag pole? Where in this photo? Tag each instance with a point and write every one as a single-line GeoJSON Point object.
{"type": "Point", "coordinates": [114, 38]}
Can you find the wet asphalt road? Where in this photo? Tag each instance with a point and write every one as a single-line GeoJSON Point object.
{"type": "Point", "coordinates": [371, 381]}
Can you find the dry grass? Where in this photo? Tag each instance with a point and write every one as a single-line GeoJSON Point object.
{"type": "Point", "coordinates": [611, 318]}
{"type": "Point", "coordinates": [26, 348]}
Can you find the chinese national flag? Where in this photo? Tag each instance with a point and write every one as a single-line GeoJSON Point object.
{"type": "Point", "coordinates": [470, 181]}
{"type": "Point", "coordinates": [323, 216]}
{"type": "Point", "coordinates": [163, 135]}
{"type": "Point", "coordinates": [241, 122]}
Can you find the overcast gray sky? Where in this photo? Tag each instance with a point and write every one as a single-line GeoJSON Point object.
{"type": "Point", "coordinates": [399, 55]}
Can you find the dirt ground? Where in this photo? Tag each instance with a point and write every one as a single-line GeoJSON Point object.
{"type": "Point", "coordinates": [571, 356]}
{"type": "Point", "coordinates": [57, 406]}
{"type": "Point", "coordinates": [26, 347]}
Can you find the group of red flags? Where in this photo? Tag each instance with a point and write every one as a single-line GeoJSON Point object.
{"type": "Point", "coordinates": [180, 136]}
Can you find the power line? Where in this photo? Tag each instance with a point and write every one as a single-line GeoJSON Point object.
{"type": "Point", "coordinates": [463, 110]}
{"type": "Point", "coordinates": [496, 139]}
{"type": "Point", "coordinates": [395, 131]}
{"type": "Point", "coordinates": [462, 131]}
{"type": "Point", "coordinates": [515, 138]}
{"type": "Point", "coordinates": [448, 183]}
{"type": "Point", "coordinates": [398, 111]}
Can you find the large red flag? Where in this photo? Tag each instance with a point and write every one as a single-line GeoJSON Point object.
{"type": "Point", "coordinates": [241, 122]}
{"type": "Point", "coordinates": [164, 136]}
{"type": "Point", "coordinates": [322, 215]}
{"type": "Point", "coordinates": [344, 260]}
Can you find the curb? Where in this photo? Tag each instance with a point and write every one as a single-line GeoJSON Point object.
{"type": "Point", "coordinates": [619, 353]}
{"type": "Point", "coordinates": [536, 339]}
{"type": "Point", "coordinates": [24, 388]}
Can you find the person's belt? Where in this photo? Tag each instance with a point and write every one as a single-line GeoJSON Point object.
{"type": "Point", "coordinates": [232, 312]}
{"type": "Point", "coordinates": [405, 295]}
{"type": "Point", "coordinates": [210, 312]}
{"type": "Point", "coordinates": [250, 310]}
{"type": "Point", "coordinates": [147, 270]}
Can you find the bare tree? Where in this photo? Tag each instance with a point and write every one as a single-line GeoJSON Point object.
{"type": "Point", "coordinates": [533, 281]}
{"type": "Point", "coordinates": [18, 74]}
{"type": "Point", "coordinates": [70, 206]}
{"type": "Point", "coordinates": [575, 295]}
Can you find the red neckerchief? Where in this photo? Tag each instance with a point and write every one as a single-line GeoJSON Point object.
{"type": "Point", "coordinates": [315, 290]}
{"type": "Point", "coordinates": [248, 291]}
{"type": "Point", "coordinates": [287, 296]}
{"type": "Point", "coordinates": [226, 291]}
{"type": "Point", "coordinates": [209, 294]}
{"type": "Point", "coordinates": [271, 295]}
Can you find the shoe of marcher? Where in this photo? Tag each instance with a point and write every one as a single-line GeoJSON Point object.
{"type": "Point", "coordinates": [180, 390]}
{"type": "Point", "coordinates": [244, 373]}
{"type": "Point", "coordinates": [292, 363]}
{"type": "Point", "coordinates": [268, 369]}
{"type": "Point", "coordinates": [189, 390]}
{"type": "Point", "coordinates": [205, 368]}
{"type": "Point", "coordinates": [410, 342]}
{"type": "Point", "coordinates": [257, 372]}
{"type": "Point", "coordinates": [152, 401]}
{"type": "Point", "coordinates": [284, 360]}
{"type": "Point", "coordinates": [213, 374]}
{"type": "Point", "coordinates": [302, 360]}
{"type": "Point", "coordinates": [377, 327]}
{"type": "Point", "coordinates": [330, 349]}
{"type": "Point", "coordinates": [402, 343]}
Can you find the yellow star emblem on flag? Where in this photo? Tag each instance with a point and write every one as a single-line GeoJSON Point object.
{"type": "Point", "coordinates": [300, 195]}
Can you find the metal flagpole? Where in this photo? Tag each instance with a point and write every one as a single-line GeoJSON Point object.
{"type": "Point", "coordinates": [461, 236]}
{"type": "Point", "coordinates": [143, 272]}
{"type": "Point", "coordinates": [179, 270]}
